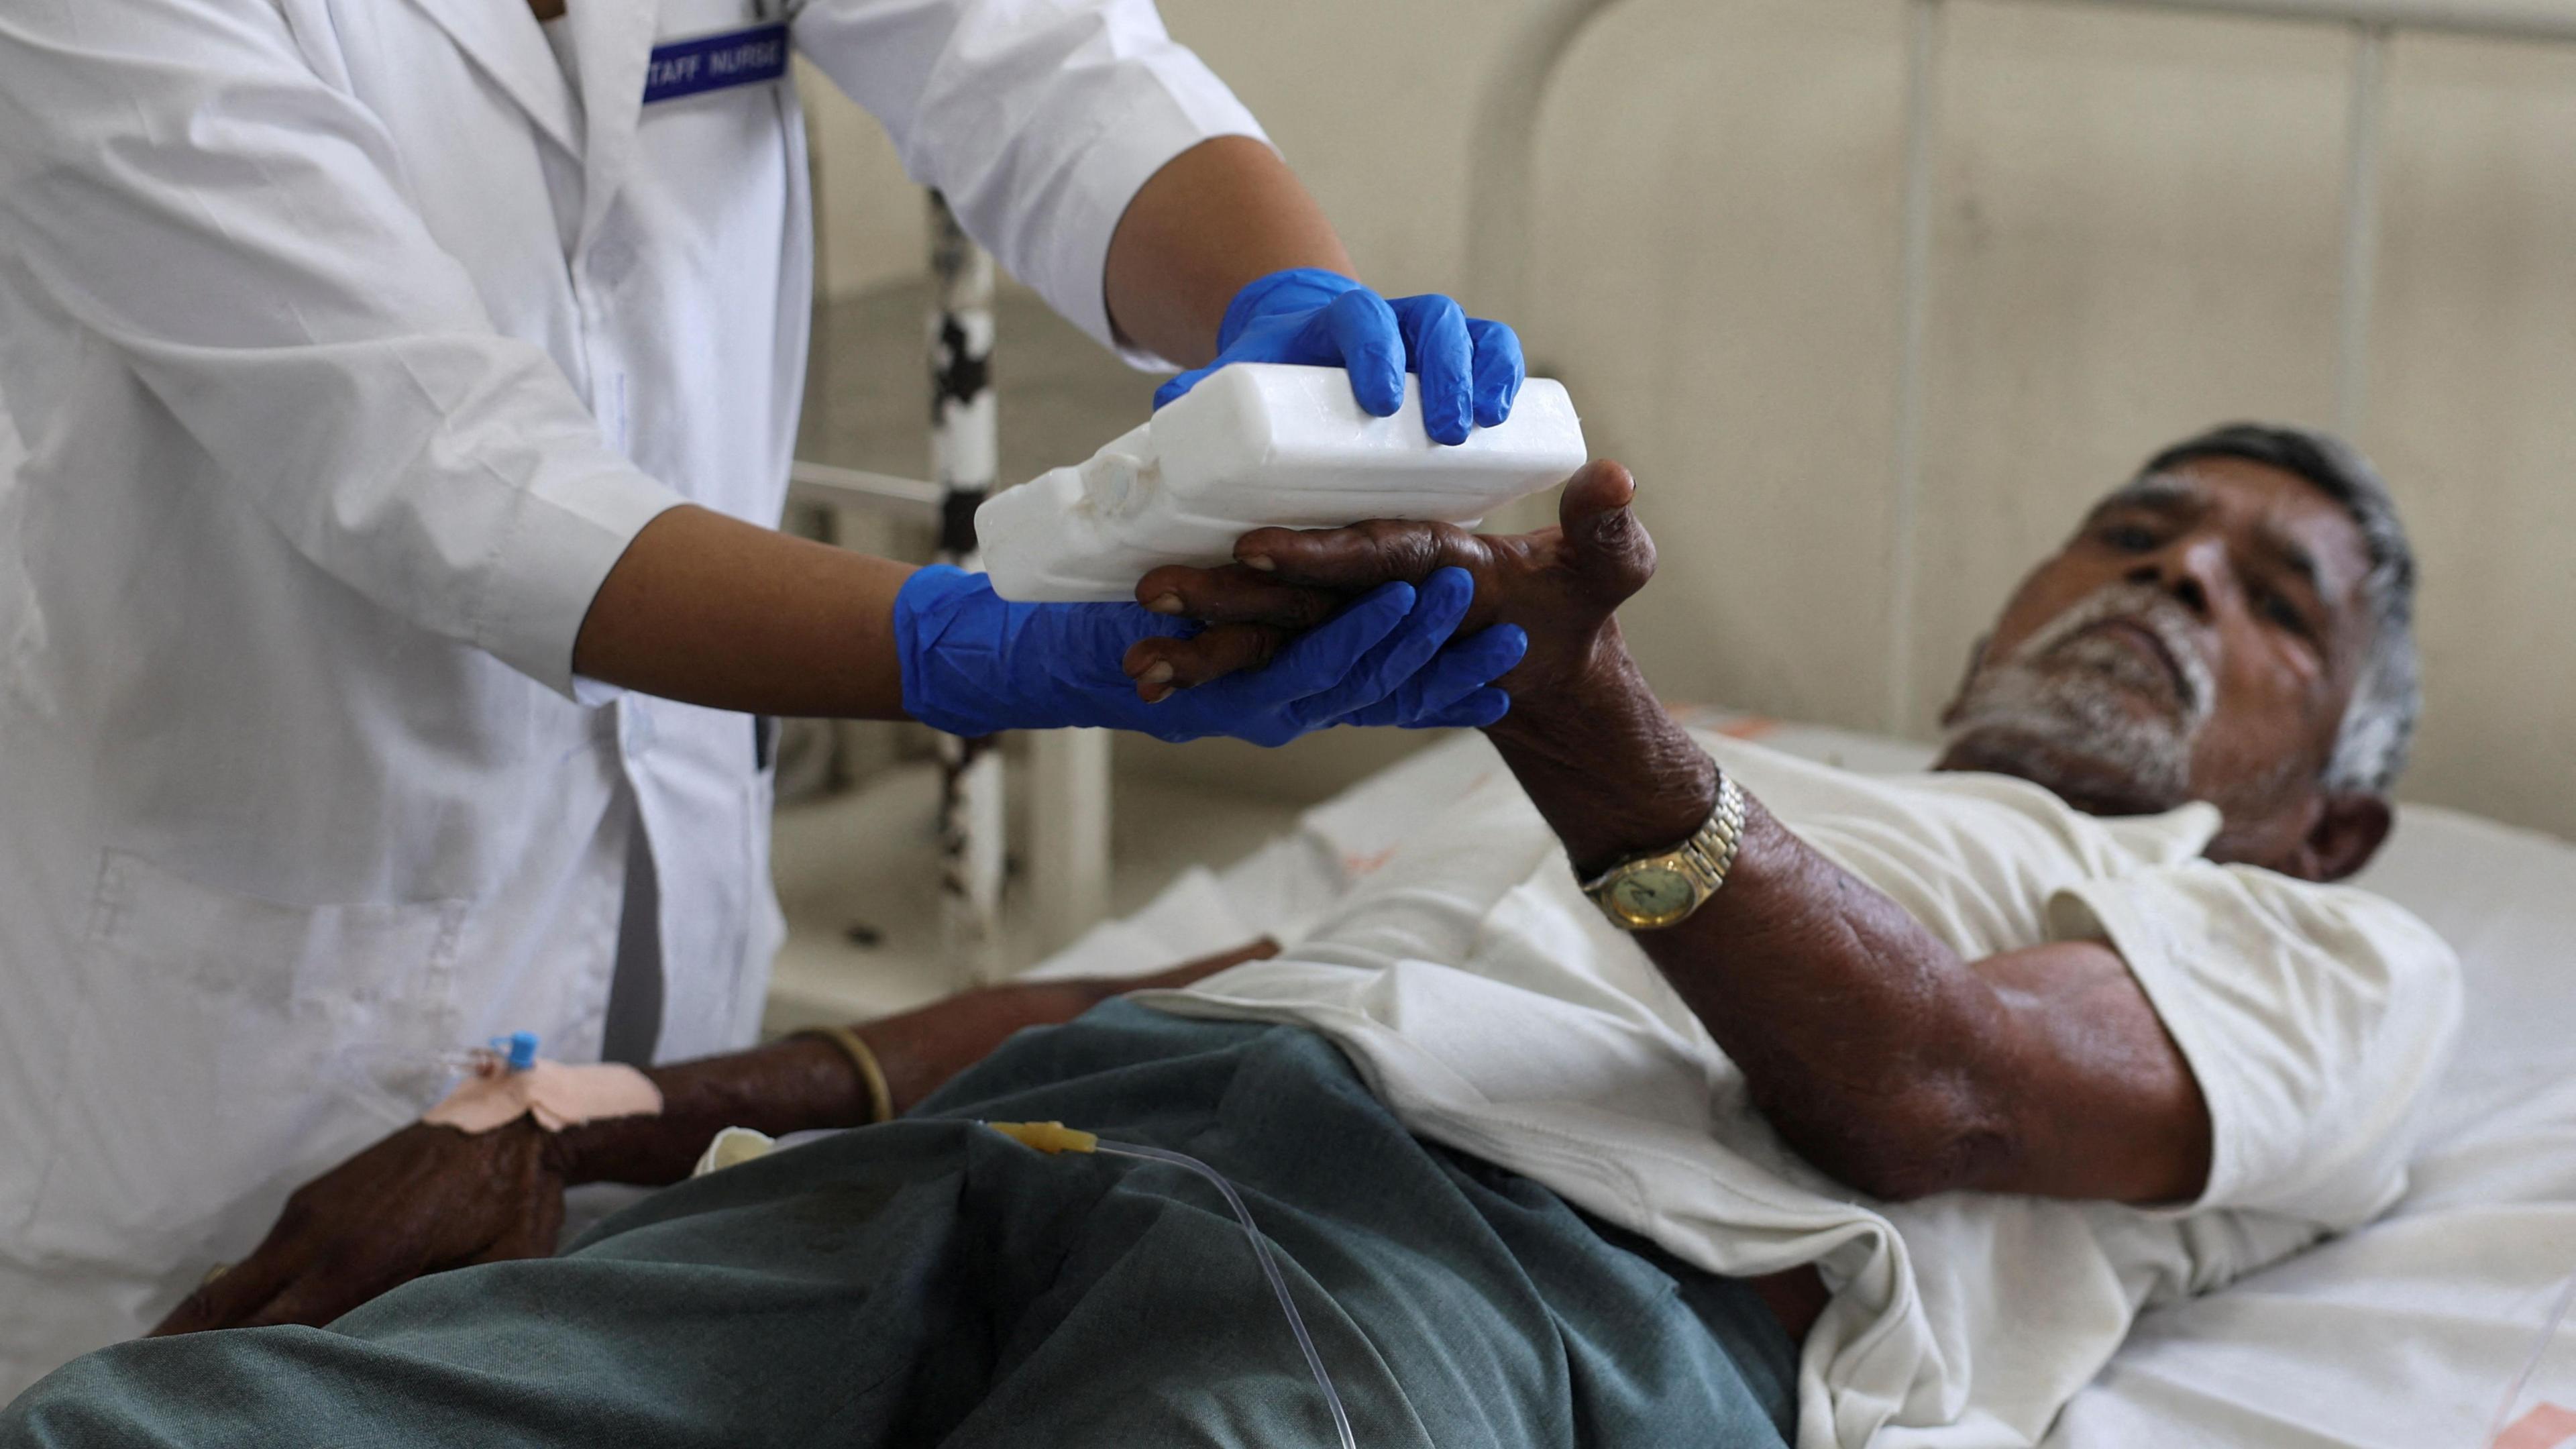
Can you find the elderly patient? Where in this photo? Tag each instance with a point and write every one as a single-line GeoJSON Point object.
{"type": "Point", "coordinates": [1659, 1090]}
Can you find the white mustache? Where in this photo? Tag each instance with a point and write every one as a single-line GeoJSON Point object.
{"type": "Point", "coordinates": [2081, 696]}
{"type": "Point", "coordinates": [2149, 608]}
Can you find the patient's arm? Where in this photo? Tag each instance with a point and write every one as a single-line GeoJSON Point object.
{"type": "Point", "coordinates": [804, 1083]}
{"type": "Point", "coordinates": [1873, 1048]}
{"type": "Point", "coordinates": [430, 1198]}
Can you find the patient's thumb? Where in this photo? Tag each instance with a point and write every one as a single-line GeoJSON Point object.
{"type": "Point", "coordinates": [1601, 530]}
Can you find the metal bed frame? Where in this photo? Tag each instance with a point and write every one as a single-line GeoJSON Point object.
{"type": "Point", "coordinates": [1501, 209]}
{"type": "Point", "coordinates": [1068, 864]}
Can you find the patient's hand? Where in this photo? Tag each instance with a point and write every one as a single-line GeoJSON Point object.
{"type": "Point", "coordinates": [1561, 584]}
{"type": "Point", "coordinates": [424, 1199]}
{"type": "Point", "coordinates": [431, 1198]}
{"type": "Point", "coordinates": [1585, 736]}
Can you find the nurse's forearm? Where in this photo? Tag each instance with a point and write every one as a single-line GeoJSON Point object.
{"type": "Point", "coordinates": [1215, 217]}
{"type": "Point", "coordinates": [714, 611]}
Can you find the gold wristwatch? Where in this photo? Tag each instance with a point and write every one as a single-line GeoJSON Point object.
{"type": "Point", "coordinates": [1650, 892]}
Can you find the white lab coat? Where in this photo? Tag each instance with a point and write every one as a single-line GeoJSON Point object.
{"type": "Point", "coordinates": [350, 342]}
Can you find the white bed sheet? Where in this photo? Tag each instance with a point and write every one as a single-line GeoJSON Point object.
{"type": "Point", "coordinates": [2404, 1335]}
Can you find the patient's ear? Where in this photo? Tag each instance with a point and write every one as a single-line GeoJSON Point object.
{"type": "Point", "coordinates": [1959, 696]}
{"type": "Point", "coordinates": [2348, 830]}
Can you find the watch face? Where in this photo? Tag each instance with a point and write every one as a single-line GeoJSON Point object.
{"type": "Point", "coordinates": [1652, 895]}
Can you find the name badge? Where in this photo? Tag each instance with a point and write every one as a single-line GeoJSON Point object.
{"type": "Point", "coordinates": [716, 62]}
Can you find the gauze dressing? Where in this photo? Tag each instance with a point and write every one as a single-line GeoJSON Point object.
{"type": "Point", "coordinates": [1255, 445]}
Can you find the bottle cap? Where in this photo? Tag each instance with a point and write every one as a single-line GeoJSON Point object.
{"type": "Point", "coordinates": [520, 1047]}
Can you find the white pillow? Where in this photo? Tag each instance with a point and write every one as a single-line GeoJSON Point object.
{"type": "Point", "coordinates": [2406, 1333]}
{"type": "Point", "coordinates": [2506, 901]}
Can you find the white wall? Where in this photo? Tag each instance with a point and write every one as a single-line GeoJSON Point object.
{"type": "Point", "coordinates": [1369, 99]}
{"type": "Point", "coordinates": [868, 219]}
{"type": "Point", "coordinates": [12, 452]}
{"type": "Point", "coordinates": [2138, 237]}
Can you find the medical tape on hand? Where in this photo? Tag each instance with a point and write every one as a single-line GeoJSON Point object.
{"type": "Point", "coordinates": [557, 1095]}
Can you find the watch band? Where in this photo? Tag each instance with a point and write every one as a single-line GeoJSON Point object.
{"type": "Point", "coordinates": [1696, 869]}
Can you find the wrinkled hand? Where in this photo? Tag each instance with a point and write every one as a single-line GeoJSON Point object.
{"type": "Point", "coordinates": [424, 1199]}
{"type": "Point", "coordinates": [431, 1198]}
{"type": "Point", "coordinates": [1561, 585]}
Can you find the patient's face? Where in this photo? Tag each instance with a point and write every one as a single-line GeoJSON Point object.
{"type": "Point", "coordinates": [2197, 639]}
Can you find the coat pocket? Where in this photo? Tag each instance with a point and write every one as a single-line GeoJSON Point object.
{"type": "Point", "coordinates": [226, 1049]}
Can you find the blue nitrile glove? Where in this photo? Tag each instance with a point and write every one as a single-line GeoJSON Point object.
{"type": "Point", "coordinates": [974, 664]}
{"type": "Point", "coordinates": [1471, 368]}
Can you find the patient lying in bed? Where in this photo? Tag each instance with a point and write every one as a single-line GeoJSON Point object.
{"type": "Point", "coordinates": [1885, 1142]}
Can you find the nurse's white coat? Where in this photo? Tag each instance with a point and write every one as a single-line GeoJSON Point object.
{"type": "Point", "coordinates": [350, 341]}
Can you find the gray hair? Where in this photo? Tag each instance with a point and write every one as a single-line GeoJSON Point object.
{"type": "Point", "coordinates": [2379, 725]}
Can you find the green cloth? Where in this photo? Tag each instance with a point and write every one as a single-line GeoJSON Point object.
{"type": "Point", "coordinates": [930, 1282]}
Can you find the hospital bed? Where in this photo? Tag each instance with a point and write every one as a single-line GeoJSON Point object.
{"type": "Point", "coordinates": [2406, 1334]}
{"type": "Point", "coordinates": [2431, 1328]}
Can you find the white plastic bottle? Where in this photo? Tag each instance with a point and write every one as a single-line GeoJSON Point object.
{"type": "Point", "coordinates": [1253, 445]}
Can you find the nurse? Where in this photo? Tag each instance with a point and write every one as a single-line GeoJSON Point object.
{"type": "Point", "coordinates": [406, 387]}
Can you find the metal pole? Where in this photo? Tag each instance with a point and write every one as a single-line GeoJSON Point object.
{"type": "Point", "coordinates": [1502, 156]}
{"type": "Point", "coordinates": [2360, 228]}
{"type": "Point", "coordinates": [1068, 795]}
{"type": "Point", "coordinates": [1925, 23]}
{"type": "Point", "coordinates": [826, 486]}
{"type": "Point", "coordinates": [2497, 21]}
{"type": "Point", "coordinates": [965, 458]}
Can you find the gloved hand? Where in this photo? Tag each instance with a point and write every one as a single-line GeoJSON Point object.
{"type": "Point", "coordinates": [974, 664]}
{"type": "Point", "coordinates": [1471, 368]}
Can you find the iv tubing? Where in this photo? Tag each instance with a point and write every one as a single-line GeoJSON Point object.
{"type": "Point", "coordinates": [1269, 1268]}
{"type": "Point", "coordinates": [2522, 1380]}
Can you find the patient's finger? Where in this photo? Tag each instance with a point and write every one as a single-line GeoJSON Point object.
{"type": "Point", "coordinates": [339, 1280]}
{"type": "Point", "coordinates": [1234, 595]}
{"type": "Point", "coordinates": [1603, 536]}
{"type": "Point", "coordinates": [1362, 555]}
{"type": "Point", "coordinates": [1327, 657]}
{"type": "Point", "coordinates": [1189, 973]}
{"type": "Point", "coordinates": [1160, 666]}
{"type": "Point", "coordinates": [531, 1237]}
{"type": "Point", "coordinates": [232, 1294]}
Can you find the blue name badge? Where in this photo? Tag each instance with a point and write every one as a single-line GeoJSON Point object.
{"type": "Point", "coordinates": [716, 62]}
